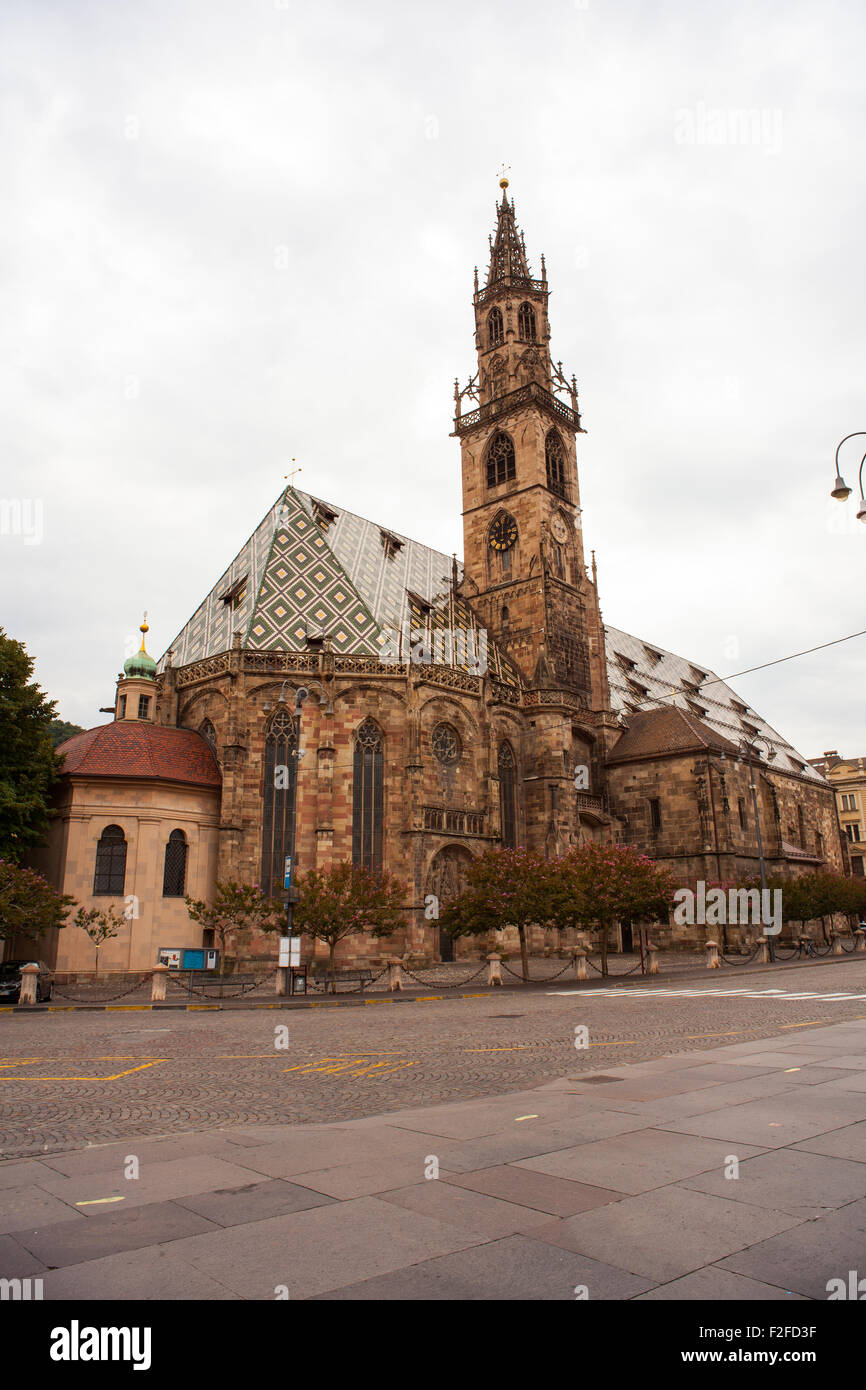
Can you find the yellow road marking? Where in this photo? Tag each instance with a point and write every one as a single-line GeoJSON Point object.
{"type": "Point", "coordinates": [99, 1201]}
{"type": "Point", "coordinates": [115, 1077]}
{"type": "Point", "coordinates": [816, 1023]}
{"type": "Point", "coordinates": [520, 1048]}
{"type": "Point", "coordinates": [690, 1037]}
{"type": "Point", "coordinates": [518, 1118]}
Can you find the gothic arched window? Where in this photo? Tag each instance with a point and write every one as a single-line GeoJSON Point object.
{"type": "Point", "coordinates": [526, 323]}
{"type": "Point", "coordinates": [495, 331]}
{"type": "Point", "coordinates": [367, 797]}
{"type": "Point", "coordinates": [208, 733]}
{"type": "Point", "coordinates": [500, 459]}
{"type": "Point", "coordinates": [280, 790]}
{"type": "Point", "coordinates": [555, 458]}
{"type": "Point", "coordinates": [174, 870]}
{"type": "Point", "coordinates": [110, 873]}
{"type": "Point", "coordinates": [507, 796]}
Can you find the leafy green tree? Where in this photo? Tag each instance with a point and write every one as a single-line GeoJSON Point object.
{"type": "Point", "coordinates": [236, 911]}
{"type": "Point", "coordinates": [28, 764]}
{"type": "Point", "coordinates": [504, 888]}
{"type": "Point", "coordinates": [348, 900]}
{"type": "Point", "coordinates": [29, 906]}
{"type": "Point", "coordinates": [100, 924]}
{"type": "Point", "coordinates": [61, 730]}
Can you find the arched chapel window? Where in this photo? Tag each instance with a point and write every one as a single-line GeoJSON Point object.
{"type": "Point", "coordinates": [174, 869]}
{"type": "Point", "coordinates": [495, 332]}
{"type": "Point", "coordinates": [526, 323]}
{"type": "Point", "coordinates": [110, 874]}
{"type": "Point", "coordinates": [507, 796]}
{"type": "Point", "coordinates": [280, 791]}
{"type": "Point", "coordinates": [367, 796]}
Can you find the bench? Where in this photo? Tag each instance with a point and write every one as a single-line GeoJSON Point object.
{"type": "Point", "coordinates": [206, 979]}
{"type": "Point", "coordinates": [335, 977]}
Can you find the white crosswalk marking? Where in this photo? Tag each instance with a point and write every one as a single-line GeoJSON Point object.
{"type": "Point", "coordinates": [649, 993]}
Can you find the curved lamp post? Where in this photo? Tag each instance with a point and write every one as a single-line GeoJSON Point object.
{"type": "Point", "coordinates": [302, 694]}
{"type": "Point", "coordinates": [841, 491]}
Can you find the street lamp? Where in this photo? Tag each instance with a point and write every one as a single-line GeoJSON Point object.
{"type": "Point", "coordinates": [302, 694]}
{"type": "Point", "coordinates": [841, 491]}
{"type": "Point", "coordinates": [745, 748]}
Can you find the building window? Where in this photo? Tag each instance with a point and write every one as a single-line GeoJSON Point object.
{"type": "Point", "coordinates": [144, 706]}
{"type": "Point", "coordinates": [801, 826]}
{"type": "Point", "coordinates": [853, 832]}
{"type": "Point", "coordinates": [110, 875]}
{"type": "Point", "coordinates": [279, 793]}
{"type": "Point", "coordinates": [655, 813]}
{"type": "Point", "coordinates": [741, 808]}
{"type": "Point", "coordinates": [174, 871]}
{"type": "Point", "coordinates": [367, 797]}
{"type": "Point", "coordinates": [507, 797]}
{"type": "Point", "coordinates": [446, 745]}
{"type": "Point", "coordinates": [555, 458]}
{"type": "Point", "coordinates": [500, 459]}
{"type": "Point", "coordinates": [857, 865]}
{"type": "Point", "coordinates": [526, 323]}
{"type": "Point", "coordinates": [849, 802]}
{"type": "Point", "coordinates": [122, 707]}
{"type": "Point", "coordinates": [208, 733]}
{"type": "Point", "coordinates": [495, 333]}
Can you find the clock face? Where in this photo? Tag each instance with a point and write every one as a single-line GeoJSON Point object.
{"type": "Point", "coordinates": [559, 528]}
{"type": "Point", "coordinates": [503, 533]}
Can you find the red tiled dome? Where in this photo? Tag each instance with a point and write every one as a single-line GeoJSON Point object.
{"type": "Point", "coordinates": [142, 750]}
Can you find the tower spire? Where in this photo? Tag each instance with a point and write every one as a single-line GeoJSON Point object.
{"type": "Point", "coordinates": [507, 252]}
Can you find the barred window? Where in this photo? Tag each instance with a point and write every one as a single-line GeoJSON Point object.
{"type": "Point", "coordinates": [555, 458]}
{"type": "Point", "coordinates": [526, 323]}
{"type": "Point", "coordinates": [446, 744]}
{"type": "Point", "coordinates": [495, 332]}
{"type": "Point", "coordinates": [110, 874]}
{"type": "Point", "coordinates": [507, 796]}
{"type": "Point", "coordinates": [367, 796]}
{"type": "Point", "coordinates": [500, 459]}
{"type": "Point", "coordinates": [280, 791]}
{"type": "Point", "coordinates": [174, 871]}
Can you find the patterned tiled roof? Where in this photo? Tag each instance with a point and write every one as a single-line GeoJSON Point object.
{"type": "Point", "coordinates": [138, 749]}
{"type": "Point", "coordinates": [642, 676]}
{"type": "Point", "coordinates": [311, 568]}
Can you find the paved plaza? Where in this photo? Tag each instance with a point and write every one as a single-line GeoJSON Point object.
{"type": "Point", "coordinates": [641, 1141]}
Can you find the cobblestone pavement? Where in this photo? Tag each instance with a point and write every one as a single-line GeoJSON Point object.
{"type": "Point", "coordinates": [72, 1079]}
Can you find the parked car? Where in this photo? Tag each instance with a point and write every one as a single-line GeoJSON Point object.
{"type": "Point", "coordinates": [10, 981]}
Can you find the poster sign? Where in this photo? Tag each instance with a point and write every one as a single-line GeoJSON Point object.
{"type": "Point", "coordinates": [287, 872]}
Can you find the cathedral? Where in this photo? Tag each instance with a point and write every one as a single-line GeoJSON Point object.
{"type": "Point", "coordinates": [345, 692]}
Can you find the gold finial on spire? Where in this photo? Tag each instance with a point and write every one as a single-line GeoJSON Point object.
{"type": "Point", "coordinates": [503, 175]}
{"type": "Point", "coordinates": [291, 475]}
{"type": "Point", "coordinates": [143, 629]}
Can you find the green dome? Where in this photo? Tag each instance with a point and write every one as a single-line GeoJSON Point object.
{"type": "Point", "coordinates": [141, 664]}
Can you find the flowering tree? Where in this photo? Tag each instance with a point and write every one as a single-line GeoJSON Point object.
{"type": "Point", "coordinates": [601, 884]}
{"type": "Point", "coordinates": [504, 888]}
{"type": "Point", "coordinates": [347, 900]}
{"type": "Point", "coordinates": [29, 905]}
{"type": "Point", "coordinates": [100, 924]}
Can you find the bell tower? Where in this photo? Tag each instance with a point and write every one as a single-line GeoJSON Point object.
{"type": "Point", "coordinates": [525, 572]}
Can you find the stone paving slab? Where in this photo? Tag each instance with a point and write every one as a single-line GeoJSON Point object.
{"type": "Point", "coordinates": [553, 1187]}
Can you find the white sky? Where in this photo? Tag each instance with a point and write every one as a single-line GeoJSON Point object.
{"type": "Point", "coordinates": [240, 232]}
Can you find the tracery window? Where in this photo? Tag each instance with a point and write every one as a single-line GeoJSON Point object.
{"type": "Point", "coordinates": [555, 458]}
{"type": "Point", "coordinates": [507, 796]}
{"type": "Point", "coordinates": [526, 323]}
{"type": "Point", "coordinates": [280, 792]}
{"type": "Point", "coordinates": [446, 745]}
{"type": "Point", "coordinates": [110, 873]}
{"type": "Point", "coordinates": [368, 796]}
{"type": "Point", "coordinates": [174, 869]}
{"type": "Point", "coordinates": [495, 331]}
{"type": "Point", "coordinates": [500, 459]}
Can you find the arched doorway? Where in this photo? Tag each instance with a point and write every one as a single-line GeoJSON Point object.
{"type": "Point", "coordinates": [446, 879]}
